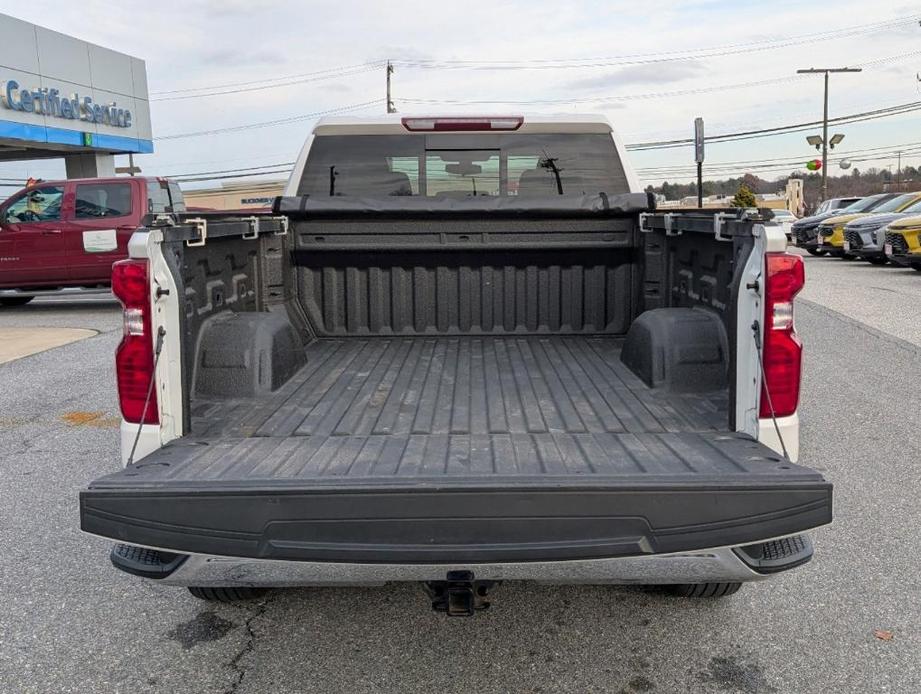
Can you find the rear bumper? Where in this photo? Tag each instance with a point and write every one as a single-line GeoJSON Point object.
{"type": "Point", "coordinates": [725, 564]}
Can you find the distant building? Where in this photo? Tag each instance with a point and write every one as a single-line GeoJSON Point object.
{"type": "Point", "coordinates": [791, 198]}
{"type": "Point", "coordinates": [709, 201]}
{"type": "Point", "coordinates": [796, 196]}
{"type": "Point", "coordinates": [249, 195]}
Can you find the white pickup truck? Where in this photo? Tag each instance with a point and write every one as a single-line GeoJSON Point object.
{"type": "Point", "coordinates": [459, 351]}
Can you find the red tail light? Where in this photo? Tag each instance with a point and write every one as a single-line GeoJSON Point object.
{"type": "Point", "coordinates": [784, 278]}
{"type": "Point", "coordinates": [134, 358]}
{"type": "Point", "coordinates": [463, 124]}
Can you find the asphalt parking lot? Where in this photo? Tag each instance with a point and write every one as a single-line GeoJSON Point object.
{"type": "Point", "coordinates": [71, 623]}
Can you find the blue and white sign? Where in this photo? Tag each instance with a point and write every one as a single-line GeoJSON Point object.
{"type": "Point", "coordinates": [58, 92]}
{"type": "Point", "coordinates": [50, 102]}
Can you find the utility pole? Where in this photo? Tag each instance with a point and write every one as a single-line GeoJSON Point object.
{"type": "Point", "coordinates": [826, 71]}
{"type": "Point", "coordinates": [390, 107]}
{"type": "Point", "coordinates": [898, 173]}
{"type": "Point", "coordinates": [131, 169]}
{"type": "Point", "coordinates": [699, 158]}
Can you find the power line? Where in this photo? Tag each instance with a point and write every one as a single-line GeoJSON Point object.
{"type": "Point", "coordinates": [689, 172]}
{"type": "Point", "coordinates": [643, 174]}
{"type": "Point", "coordinates": [896, 110]}
{"type": "Point", "coordinates": [909, 148]}
{"type": "Point", "coordinates": [602, 99]}
{"type": "Point", "coordinates": [261, 87]}
{"type": "Point", "coordinates": [648, 95]}
{"type": "Point", "coordinates": [667, 56]}
{"type": "Point", "coordinates": [238, 170]}
{"type": "Point", "coordinates": [853, 155]}
{"type": "Point", "coordinates": [685, 92]}
{"type": "Point", "coordinates": [661, 144]}
{"type": "Point", "coordinates": [227, 85]}
{"type": "Point", "coordinates": [270, 123]}
{"type": "Point", "coordinates": [533, 64]}
{"type": "Point", "coordinates": [242, 175]}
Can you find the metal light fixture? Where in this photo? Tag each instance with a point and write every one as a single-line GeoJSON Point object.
{"type": "Point", "coordinates": [826, 71]}
{"type": "Point", "coordinates": [814, 140]}
{"type": "Point", "coordinates": [835, 140]}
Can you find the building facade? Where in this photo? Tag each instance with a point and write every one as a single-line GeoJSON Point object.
{"type": "Point", "coordinates": [63, 97]}
{"type": "Point", "coordinates": [249, 195]}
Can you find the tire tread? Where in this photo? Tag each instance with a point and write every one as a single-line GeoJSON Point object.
{"type": "Point", "coordinates": [704, 590]}
{"type": "Point", "coordinates": [237, 594]}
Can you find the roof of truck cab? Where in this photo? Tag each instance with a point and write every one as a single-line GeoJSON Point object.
{"type": "Point", "coordinates": [392, 124]}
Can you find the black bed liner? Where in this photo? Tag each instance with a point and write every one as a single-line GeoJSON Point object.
{"type": "Point", "coordinates": [449, 449]}
{"type": "Point", "coordinates": [462, 385]}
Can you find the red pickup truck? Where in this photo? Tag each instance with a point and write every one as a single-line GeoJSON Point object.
{"type": "Point", "coordinates": [64, 235]}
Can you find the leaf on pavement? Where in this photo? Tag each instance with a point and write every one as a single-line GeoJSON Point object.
{"type": "Point", "coordinates": [883, 634]}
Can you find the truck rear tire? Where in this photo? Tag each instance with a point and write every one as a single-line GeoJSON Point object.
{"type": "Point", "coordinates": [227, 594]}
{"type": "Point", "coordinates": [704, 590]}
{"type": "Point", "coordinates": [15, 300]}
{"type": "Point", "coordinates": [815, 252]}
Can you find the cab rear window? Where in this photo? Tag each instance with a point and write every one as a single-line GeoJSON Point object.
{"type": "Point", "coordinates": [96, 200]}
{"type": "Point", "coordinates": [463, 166]}
{"type": "Point", "coordinates": [158, 198]}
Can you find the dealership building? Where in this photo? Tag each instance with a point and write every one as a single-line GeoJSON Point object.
{"type": "Point", "coordinates": [61, 97]}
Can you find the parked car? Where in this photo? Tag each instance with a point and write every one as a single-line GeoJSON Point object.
{"type": "Point", "coordinates": [803, 231]}
{"type": "Point", "coordinates": [785, 219]}
{"type": "Point", "coordinates": [866, 237]}
{"type": "Point", "coordinates": [65, 235]}
{"type": "Point", "coordinates": [833, 205]}
{"type": "Point", "coordinates": [830, 232]}
{"type": "Point", "coordinates": [902, 242]}
{"type": "Point", "coordinates": [455, 363]}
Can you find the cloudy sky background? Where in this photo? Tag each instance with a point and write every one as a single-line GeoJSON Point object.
{"type": "Point", "coordinates": [204, 43]}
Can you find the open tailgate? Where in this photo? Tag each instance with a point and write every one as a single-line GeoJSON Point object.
{"type": "Point", "coordinates": [322, 499]}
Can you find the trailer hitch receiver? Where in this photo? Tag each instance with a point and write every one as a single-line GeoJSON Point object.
{"type": "Point", "coordinates": [459, 595]}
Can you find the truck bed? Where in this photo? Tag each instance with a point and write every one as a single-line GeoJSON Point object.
{"type": "Point", "coordinates": [527, 448]}
{"type": "Point", "coordinates": [445, 387]}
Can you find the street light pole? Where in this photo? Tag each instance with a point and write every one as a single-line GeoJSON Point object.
{"type": "Point", "coordinates": [826, 71]}
{"type": "Point", "coordinates": [825, 143]}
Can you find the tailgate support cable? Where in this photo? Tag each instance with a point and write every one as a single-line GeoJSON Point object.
{"type": "Point", "coordinates": [153, 379]}
{"type": "Point", "coordinates": [756, 329]}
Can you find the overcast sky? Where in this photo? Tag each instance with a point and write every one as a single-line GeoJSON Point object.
{"type": "Point", "coordinates": [202, 43]}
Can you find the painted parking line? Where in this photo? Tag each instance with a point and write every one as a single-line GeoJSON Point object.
{"type": "Point", "coordinates": [16, 343]}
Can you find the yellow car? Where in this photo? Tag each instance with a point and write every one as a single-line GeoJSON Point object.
{"type": "Point", "coordinates": [903, 242]}
{"type": "Point", "coordinates": [830, 235]}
